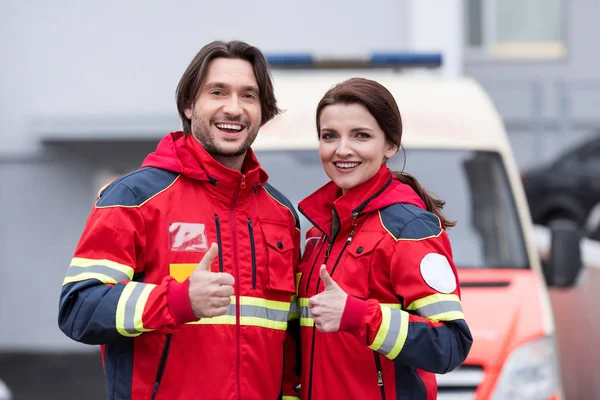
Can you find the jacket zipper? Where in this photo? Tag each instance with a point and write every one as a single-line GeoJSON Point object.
{"type": "Point", "coordinates": [379, 374]}
{"type": "Point", "coordinates": [312, 350]}
{"type": "Point", "coordinates": [237, 284]}
{"type": "Point", "coordinates": [161, 365]}
{"type": "Point", "coordinates": [218, 224]}
{"type": "Point", "coordinates": [253, 251]}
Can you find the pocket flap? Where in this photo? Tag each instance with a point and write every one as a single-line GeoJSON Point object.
{"type": "Point", "coordinates": [277, 236]}
{"type": "Point", "coordinates": [364, 243]}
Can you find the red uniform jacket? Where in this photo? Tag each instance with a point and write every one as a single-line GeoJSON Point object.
{"type": "Point", "coordinates": [403, 319]}
{"type": "Point", "coordinates": [127, 285]}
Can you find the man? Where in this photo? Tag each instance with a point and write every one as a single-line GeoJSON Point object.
{"type": "Point", "coordinates": [185, 270]}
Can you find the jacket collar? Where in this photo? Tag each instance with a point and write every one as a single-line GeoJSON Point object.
{"type": "Point", "coordinates": [183, 154]}
{"type": "Point", "coordinates": [327, 206]}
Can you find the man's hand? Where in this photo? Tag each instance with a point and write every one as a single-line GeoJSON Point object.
{"type": "Point", "coordinates": [327, 307]}
{"type": "Point", "coordinates": [210, 292]}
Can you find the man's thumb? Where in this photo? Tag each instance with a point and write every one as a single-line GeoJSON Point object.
{"type": "Point", "coordinates": [208, 258]}
{"type": "Point", "coordinates": [326, 278]}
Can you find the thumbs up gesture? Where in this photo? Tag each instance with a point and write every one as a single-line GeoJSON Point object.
{"type": "Point", "coordinates": [210, 292]}
{"type": "Point", "coordinates": [327, 307]}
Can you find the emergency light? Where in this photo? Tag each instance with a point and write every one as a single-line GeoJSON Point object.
{"type": "Point", "coordinates": [375, 60]}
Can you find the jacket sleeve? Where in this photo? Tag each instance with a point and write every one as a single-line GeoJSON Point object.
{"type": "Point", "coordinates": [103, 299]}
{"type": "Point", "coordinates": [428, 330]}
{"type": "Point", "coordinates": [292, 366]}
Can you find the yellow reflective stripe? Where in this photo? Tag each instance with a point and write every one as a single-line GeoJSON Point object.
{"type": "Point", "coordinates": [383, 328]}
{"type": "Point", "coordinates": [305, 315]}
{"type": "Point", "coordinates": [130, 309]}
{"type": "Point", "coordinates": [438, 307]}
{"type": "Point", "coordinates": [254, 311]}
{"type": "Point", "coordinates": [391, 305]}
{"type": "Point", "coordinates": [401, 336]}
{"type": "Point", "coordinates": [434, 298]}
{"type": "Point", "coordinates": [260, 302]}
{"type": "Point", "coordinates": [290, 398]}
{"type": "Point", "coordinates": [105, 271]}
{"type": "Point", "coordinates": [392, 332]}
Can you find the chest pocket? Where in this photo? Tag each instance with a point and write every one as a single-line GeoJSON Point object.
{"type": "Point", "coordinates": [280, 256]}
{"type": "Point", "coordinates": [353, 275]}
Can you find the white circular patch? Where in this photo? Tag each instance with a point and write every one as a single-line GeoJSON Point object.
{"type": "Point", "coordinates": [437, 273]}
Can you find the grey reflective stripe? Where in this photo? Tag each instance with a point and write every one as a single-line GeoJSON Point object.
{"type": "Point", "coordinates": [129, 323]}
{"type": "Point", "coordinates": [305, 312]}
{"type": "Point", "coordinates": [98, 269]}
{"type": "Point", "coordinates": [393, 332]}
{"type": "Point", "coordinates": [263, 312]}
{"type": "Point", "coordinates": [438, 308]}
{"type": "Point", "coordinates": [247, 310]}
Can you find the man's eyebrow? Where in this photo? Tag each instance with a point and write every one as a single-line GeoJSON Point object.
{"type": "Point", "coordinates": [221, 85]}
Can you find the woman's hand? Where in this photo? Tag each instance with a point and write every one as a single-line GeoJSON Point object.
{"type": "Point", "coordinates": [327, 307]}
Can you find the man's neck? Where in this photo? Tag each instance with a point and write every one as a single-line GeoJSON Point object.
{"type": "Point", "coordinates": [235, 162]}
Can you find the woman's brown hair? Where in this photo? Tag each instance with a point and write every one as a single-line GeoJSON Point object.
{"type": "Point", "coordinates": [382, 106]}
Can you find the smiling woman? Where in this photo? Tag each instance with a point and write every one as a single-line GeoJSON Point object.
{"type": "Point", "coordinates": [377, 263]}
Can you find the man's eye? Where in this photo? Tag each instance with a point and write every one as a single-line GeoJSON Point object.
{"type": "Point", "coordinates": [250, 96]}
{"type": "Point", "coordinates": [217, 92]}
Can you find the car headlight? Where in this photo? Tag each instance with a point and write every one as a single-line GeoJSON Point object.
{"type": "Point", "coordinates": [531, 372]}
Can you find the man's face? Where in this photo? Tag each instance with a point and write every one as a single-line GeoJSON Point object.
{"type": "Point", "coordinates": [226, 114]}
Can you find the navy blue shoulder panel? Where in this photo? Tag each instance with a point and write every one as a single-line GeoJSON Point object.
{"type": "Point", "coordinates": [135, 188]}
{"type": "Point", "coordinates": [407, 221]}
{"type": "Point", "coordinates": [276, 194]}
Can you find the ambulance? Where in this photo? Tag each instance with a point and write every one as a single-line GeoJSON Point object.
{"type": "Point", "coordinates": [526, 296]}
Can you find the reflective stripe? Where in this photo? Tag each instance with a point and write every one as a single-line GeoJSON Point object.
{"type": "Point", "coordinates": [254, 311]}
{"type": "Point", "coordinates": [439, 307]}
{"type": "Point", "coordinates": [290, 398]}
{"type": "Point", "coordinates": [306, 318]}
{"type": "Point", "coordinates": [392, 332]}
{"type": "Point", "coordinates": [130, 309]}
{"type": "Point", "coordinates": [105, 271]}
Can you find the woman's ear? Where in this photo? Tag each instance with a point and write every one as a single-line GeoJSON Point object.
{"type": "Point", "coordinates": [390, 150]}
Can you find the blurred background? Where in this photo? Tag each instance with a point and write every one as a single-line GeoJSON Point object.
{"type": "Point", "coordinates": [87, 90]}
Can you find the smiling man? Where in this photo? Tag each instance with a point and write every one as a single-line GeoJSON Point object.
{"type": "Point", "coordinates": [184, 273]}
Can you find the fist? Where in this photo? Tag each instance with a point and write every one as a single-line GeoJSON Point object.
{"type": "Point", "coordinates": [210, 292]}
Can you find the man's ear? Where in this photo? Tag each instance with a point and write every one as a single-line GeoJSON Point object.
{"type": "Point", "coordinates": [188, 110]}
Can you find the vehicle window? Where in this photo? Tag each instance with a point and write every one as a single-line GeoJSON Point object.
{"type": "Point", "coordinates": [473, 184]}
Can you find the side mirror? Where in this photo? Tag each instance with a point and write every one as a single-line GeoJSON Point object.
{"type": "Point", "coordinates": [563, 266]}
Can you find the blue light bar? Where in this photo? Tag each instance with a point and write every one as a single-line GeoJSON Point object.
{"type": "Point", "coordinates": [376, 60]}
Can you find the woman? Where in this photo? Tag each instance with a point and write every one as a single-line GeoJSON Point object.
{"type": "Point", "coordinates": [379, 293]}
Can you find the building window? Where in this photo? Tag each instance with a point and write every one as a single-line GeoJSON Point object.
{"type": "Point", "coordinates": [516, 28]}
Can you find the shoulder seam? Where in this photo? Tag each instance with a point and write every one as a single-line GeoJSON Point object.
{"type": "Point", "coordinates": [135, 197]}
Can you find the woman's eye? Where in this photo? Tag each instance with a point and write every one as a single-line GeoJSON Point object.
{"type": "Point", "coordinates": [327, 136]}
{"type": "Point", "coordinates": [362, 135]}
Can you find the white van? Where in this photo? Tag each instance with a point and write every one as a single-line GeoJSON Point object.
{"type": "Point", "coordinates": [457, 147]}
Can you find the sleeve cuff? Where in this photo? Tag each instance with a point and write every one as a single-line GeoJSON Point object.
{"type": "Point", "coordinates": [354, 313]}
{"type": "Point", "coordinates": [178, 301]}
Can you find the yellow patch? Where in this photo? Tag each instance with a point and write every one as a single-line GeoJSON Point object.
{"type": "Point", "coordinates": [181, 271]}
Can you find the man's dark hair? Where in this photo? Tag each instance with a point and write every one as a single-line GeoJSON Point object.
{"type": "Point", "coordinates": [193, 77]}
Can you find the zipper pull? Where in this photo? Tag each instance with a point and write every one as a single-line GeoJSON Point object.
{"type": "Point", "coordinates": [349, 240]}
{"type": "Point", "coordinates": [243, 183]}
{"type": "Point", "coordinates": [379, 379]}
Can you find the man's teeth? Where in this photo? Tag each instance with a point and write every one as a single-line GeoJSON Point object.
{"type": "Point", "coordinates": [230, 126]}
{"type": "Point", "coordinates": [347, 165]}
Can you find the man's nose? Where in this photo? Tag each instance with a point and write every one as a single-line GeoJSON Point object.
{"type": "Point", "coordinates": [232, 107]}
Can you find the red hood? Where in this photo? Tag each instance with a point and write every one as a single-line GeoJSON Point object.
{"type": "Point", "coordinates": [183, 154]}
{"type": "Point", "coordinates": [378, 192]}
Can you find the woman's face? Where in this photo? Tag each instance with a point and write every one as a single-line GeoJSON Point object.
{"type": "Point", "coordinates": [352, 146]}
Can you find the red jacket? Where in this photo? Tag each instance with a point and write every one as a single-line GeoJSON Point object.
{"type": "Point", "coordinates": [127, 286]}
{"type": "Point", "coordinates": [403, 319]}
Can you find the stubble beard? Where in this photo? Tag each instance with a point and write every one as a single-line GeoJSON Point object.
{"type": "Point", "coordinates": [201, 132]}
